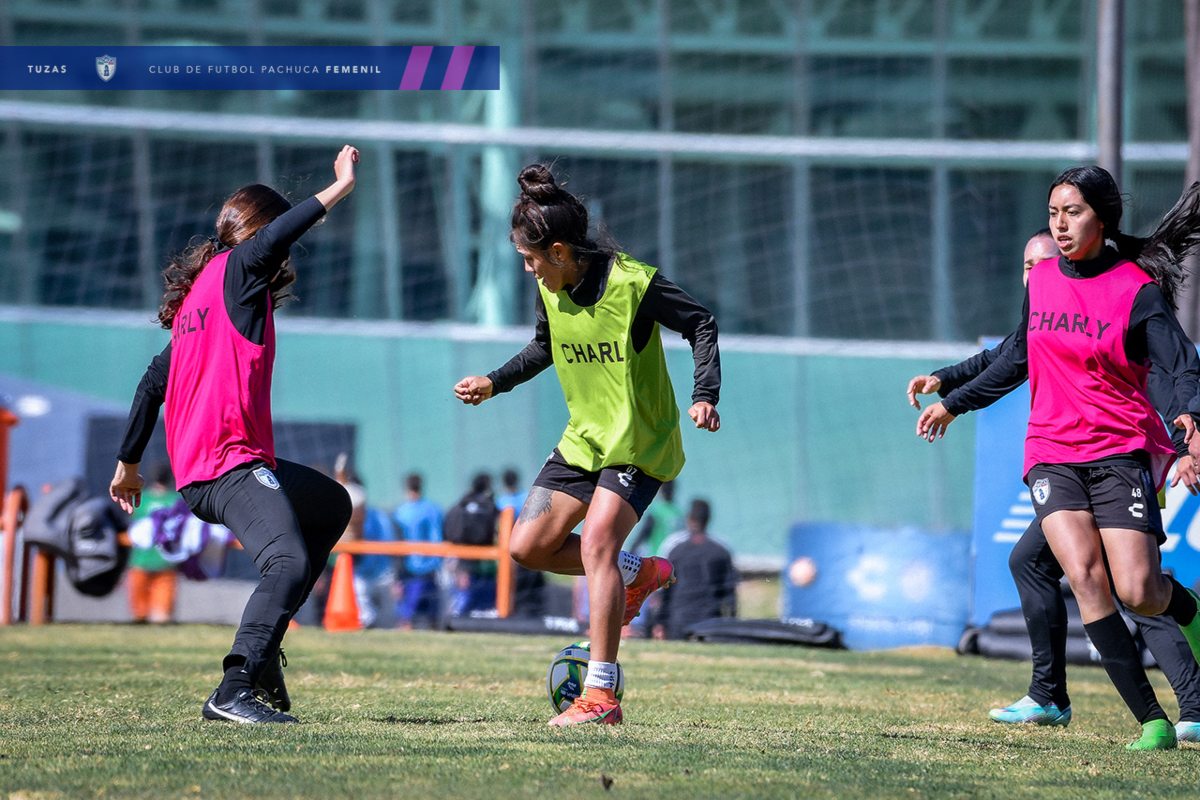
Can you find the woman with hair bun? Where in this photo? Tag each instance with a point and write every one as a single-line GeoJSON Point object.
{"type": "Point", "coordinates": [215, 378]}
{"type": "Point", "coordinates": [1096, 452]}
{"type": "Point", "coordinates": [598, 317]}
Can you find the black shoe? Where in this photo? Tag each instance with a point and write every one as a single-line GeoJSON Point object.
{"type": "Point", "coordinates": [245, 708]}
{"type": "Point", "coordinates": [270, 687]}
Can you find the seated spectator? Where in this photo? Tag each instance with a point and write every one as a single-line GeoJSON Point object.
{"type": "Point", "coordinates": [707, 580]}
{"type": "Point", "coordinates": [419, 520]}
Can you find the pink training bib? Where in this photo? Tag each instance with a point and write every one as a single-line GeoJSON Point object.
{"type": "Point", "coordinates": [1088, 400]}
{"type": "Point", "coordinates": [218, 404]}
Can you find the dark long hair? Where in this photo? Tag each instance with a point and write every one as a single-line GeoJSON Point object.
{"type": "Point", "coordinates": [545, 213]}
{"type": "Point", "coordinates": [1160, 254]}
{"type": "Point", "coordinates": [241, 216]}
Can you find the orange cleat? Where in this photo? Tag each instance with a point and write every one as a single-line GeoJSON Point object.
{"type": "Point", "coordinates": [595, 706]}
{"type": "Point", "coordinates": [656, 573]}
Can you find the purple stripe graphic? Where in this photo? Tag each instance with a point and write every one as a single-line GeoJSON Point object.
{"type": "Point", "coordinates": [414, 71]}
{"type": "Point", "coordinates": [456, 71]}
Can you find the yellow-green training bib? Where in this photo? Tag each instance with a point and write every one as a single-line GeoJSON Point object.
{"type": "Point", "coordinates": [621, 403]}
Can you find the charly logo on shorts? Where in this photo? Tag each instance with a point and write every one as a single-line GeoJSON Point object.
{"type": "Point", "coordinates": [627, 476]}
{"type": "Point", "coordinates": [1135, 510]}
{"type": "Point", "coordinates": [1041, 490]}
{"type": "Point", "coordinates": [267, 478]}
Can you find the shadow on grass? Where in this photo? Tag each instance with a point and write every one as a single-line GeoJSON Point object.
{"type": "Point", "coordinates": [980, 742]}
{"type": "Point", "coordinates": [392, 719]}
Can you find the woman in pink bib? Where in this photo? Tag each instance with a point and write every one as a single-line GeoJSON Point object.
{"type": "Point", "coordinates": [1096, 452]}
{"type": "Point", "coordinates": [215, 379]}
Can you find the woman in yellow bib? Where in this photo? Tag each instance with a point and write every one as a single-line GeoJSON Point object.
{"type": "Point", "coordinates": [598, 318]}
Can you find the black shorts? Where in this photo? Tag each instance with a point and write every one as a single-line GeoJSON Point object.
{"type": "Point", "coordinates": [1119, 494]}
{"type": "Point", "coordinates": [634, 486]}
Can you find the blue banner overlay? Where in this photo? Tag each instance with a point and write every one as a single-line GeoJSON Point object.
{"type": "Point", "coordinates": [245, 67]}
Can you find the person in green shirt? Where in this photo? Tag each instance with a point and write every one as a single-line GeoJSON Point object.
{"type": "Point", "coordinates": [599, 314]}
{"type": "Point", "coordinates": [662, 519]}
{"type": "Point", "coordinates": [152, 579]}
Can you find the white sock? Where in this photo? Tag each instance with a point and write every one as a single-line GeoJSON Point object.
{"type": "Point", "coordinates": [601, 675]}
{"type": "Point", "coordinates": [630, 565]}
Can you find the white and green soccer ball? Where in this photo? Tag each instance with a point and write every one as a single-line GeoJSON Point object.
{"type": "Point", "coordinates": [568, 671]}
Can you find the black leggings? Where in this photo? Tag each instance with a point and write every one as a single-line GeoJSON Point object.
{"type": "Point", "coordinates": [288, 520]}
{"type": "Point", "coordinates": [1037, 574]}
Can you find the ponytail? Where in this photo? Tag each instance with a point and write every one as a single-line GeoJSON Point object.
{"type": "Point", "coordinates": [179, 276]}
{"type": "Point", "coordinates": [242, 215]}
{"type": "Point", "coordinates": [1162, 253]}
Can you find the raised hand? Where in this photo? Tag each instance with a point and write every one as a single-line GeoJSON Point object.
{"type": "Point", "coordinates": [343, 165]}
{"type": "Point", "coordinates": [343, 173]}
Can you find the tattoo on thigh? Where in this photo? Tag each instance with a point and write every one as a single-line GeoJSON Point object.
{"type": "Point", "coordinates": [537, 504]}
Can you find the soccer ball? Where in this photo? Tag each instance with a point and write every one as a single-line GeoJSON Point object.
{"type": "Point", "coordinates": [568, 671]}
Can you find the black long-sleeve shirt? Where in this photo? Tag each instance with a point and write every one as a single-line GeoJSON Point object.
{"type": "Point", "coordinates": [1159, 387]}
{"type": "Point", "coordinates": [248, 274]}
{"type": "Point", "coordinates": [1154, 336]}
{"type": "Point", "coordinates": [707, 586]}
{"type": "Point", "coordinates": [664, 303]}
{"type": "Point", "coordinates": [963, 372]}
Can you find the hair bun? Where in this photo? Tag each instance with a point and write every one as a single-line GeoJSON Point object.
{"type": "Point", "coordinates": [538, 184]}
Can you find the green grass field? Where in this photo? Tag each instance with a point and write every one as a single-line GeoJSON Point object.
{"type": "Point", "coordinates": [114, 711]}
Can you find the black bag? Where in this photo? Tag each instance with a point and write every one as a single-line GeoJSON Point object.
{"type": "Point", "coordinates": [83, 533]}
{"type": "Point", "coordinates": [97, 558]}
{"type": "Point", "coordinates": [472, 520]}
{"type": "Point", "coordinates": [48, 522]}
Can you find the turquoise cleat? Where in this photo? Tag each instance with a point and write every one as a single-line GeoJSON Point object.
{"type": "Point", "coordinates": [1026, 711]}
{"type": "Point", "coordinates": [1188, 732]}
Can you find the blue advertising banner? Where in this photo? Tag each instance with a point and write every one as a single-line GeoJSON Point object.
{"type": "Point", "coordinates": [881, 587]}
{"type": "Point", "coordinates": [1003, 510]}
{"type": "Point", "coordinates": [192, 67]}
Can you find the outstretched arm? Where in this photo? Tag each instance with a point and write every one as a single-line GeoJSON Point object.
{"type": "Point", "coordinates": [260, 256]}
{"type": "Point", "coordinates": [524, 366]}
{"type": "Point", "coordinates": [956, 375]}
{"type": "Point", "coordinates": [1007, 371]}
{"type": "Point", "coordinates": [343, 178]}
{"type": "Point", "coordinates": [947, 379]}
{"type": "Point", "coordinates": [995, 382]}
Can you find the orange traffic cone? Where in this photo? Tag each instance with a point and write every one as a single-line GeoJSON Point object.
{"type": "Point", "coordinates": [341, 609]}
